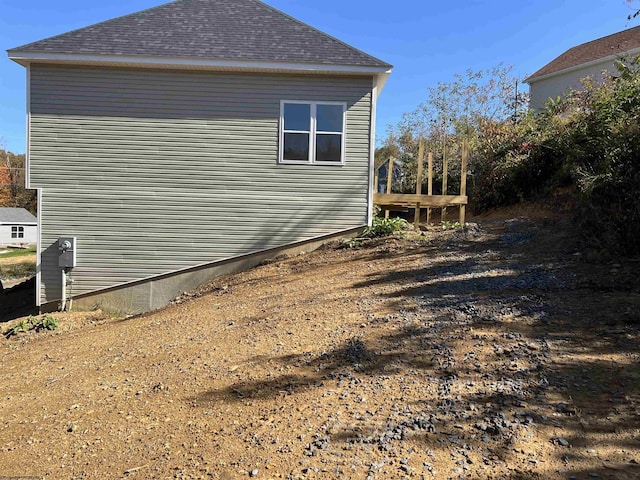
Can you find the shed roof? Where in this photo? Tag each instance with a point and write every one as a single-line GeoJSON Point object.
{"type": "Point", "coordinates": [615, 44]}
{"type": "Point", "coordinates": [16, 215]}
{"type": "Point", "coordinates": [207, 29]}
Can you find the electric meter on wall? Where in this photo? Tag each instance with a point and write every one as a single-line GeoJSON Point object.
{"type": "Point", "coordinates": [67, 249]}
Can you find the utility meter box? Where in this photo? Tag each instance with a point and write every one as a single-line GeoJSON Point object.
{"type": "Point", "coordinates": [67, 249]}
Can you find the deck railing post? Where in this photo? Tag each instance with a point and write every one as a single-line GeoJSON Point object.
{"type": "Point", "coordinates": [445, 174]}
{"type": "Point", "coordinates": [389, 180]}
{"type": "Point", "coordinates": [419, 182]}
{"type": "Point", "coordinates": [463, 180]}
{"type": "Point", "coordinates": [429, 184]}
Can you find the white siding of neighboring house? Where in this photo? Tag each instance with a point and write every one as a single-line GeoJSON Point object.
{"type": "Point", "coordinates": [558, 85]}
{"type": "Point", "coordinates": [30, 234]}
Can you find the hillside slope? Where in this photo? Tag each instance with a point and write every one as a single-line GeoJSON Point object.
{"type": "Point", "coordinates": [494, 352]}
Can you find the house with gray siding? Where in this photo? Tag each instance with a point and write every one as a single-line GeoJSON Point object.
{"type": "Point", "coordinates": [594, 60]}
{"type": "Point", "coordinates": [17, 227]}
{"type": "Point", "coordinates": [189, 140]}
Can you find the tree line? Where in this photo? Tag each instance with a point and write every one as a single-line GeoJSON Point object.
{"type": "Point", "coordinates": [587, 142]}
{"type": "Point", "coordinates": [12, 182]}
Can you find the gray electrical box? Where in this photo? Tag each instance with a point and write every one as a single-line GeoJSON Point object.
{"type": "Point", "coordinates": [67, 249]}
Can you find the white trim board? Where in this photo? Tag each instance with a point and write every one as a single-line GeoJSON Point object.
{"type": "Point", "coordinates": [24, 58]}
{"type": "Point", "coordinates": [39, 248]}
{"type": "Point", "coordinates": [27, 161]}
{"type": "Point", "coordinates": [372, 143]}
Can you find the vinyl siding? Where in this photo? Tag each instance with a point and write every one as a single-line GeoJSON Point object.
{"type": "Point", "coordinates": [157, 171]}
{"type": "Point", "coordinates": [560, 84]}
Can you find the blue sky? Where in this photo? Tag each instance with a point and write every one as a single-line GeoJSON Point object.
{"type": "Point", "coordinates": [426, 41]}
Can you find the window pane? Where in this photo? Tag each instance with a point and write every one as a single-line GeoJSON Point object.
{"type": "Point", "coordinates": [296, 146]}
{"type": "Point", "coordinates": [297, 116]}
{"type": "Point", "coordinates": [328, 148]}
{"type": "Point", "coordinates": [329, 118]}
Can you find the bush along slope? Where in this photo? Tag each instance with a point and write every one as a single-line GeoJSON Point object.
{"type": "Point", "coordinates": [590, 140]}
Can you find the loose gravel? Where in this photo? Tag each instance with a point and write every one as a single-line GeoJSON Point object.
{"type": "Point", "coordinates": [497, 352]}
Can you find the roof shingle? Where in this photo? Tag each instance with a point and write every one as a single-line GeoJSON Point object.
{"type": "Point", "coordinates": [208, 29]}
{"type": "Point", "coordinates": [615, 44]}
{"type": "Point", "coordinates": [16, 215]}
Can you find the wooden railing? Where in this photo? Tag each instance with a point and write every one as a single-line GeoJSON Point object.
{"type": "Point", "coordinates": [429, 201]}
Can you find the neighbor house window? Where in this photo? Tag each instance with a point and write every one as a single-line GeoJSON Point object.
{"type": "Point", "coordinates": [17, 232]}
{"type": "Point", "coordinates": [312, 132]}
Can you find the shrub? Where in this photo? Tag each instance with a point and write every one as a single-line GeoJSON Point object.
{"type": "Point", "coordinates": [382, 227]}
{"type": "Point", "coordinates": [590, 140]}
{"type": "Point", "coordinates": [603, 156]}
{"type": "Point", "coordinates": [46, 322]}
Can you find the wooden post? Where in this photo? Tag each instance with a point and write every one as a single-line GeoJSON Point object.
{"type": "Point", "coordinates": [419, 181]}
{"type": "Point", "coordinates": [445, 174]}
{"type": "Point", "coordinates": [463, 180]}
{"type": "Point", "coordinates": [389, 180]}
{"type": "Point", "coordinates": [430, 184]}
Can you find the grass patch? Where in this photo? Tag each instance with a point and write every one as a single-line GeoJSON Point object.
{"type": "Point", "coordinates": [18, 270]}
{"type": "Point", "coordinates": [19, 252]}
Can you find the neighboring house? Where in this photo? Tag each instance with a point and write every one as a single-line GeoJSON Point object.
{"type": "Point", "coordinates": [17, 227]}
{"type": "Point", "coordinates": [382, 172]}
{"type": "Point", "coordinates": [192, 139]}
{"type": "Point", "coordinates": [590, 59]}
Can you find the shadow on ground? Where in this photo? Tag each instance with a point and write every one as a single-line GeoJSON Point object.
{"type": "Point", "coordinates": [18, 301]}
{"type": "Point", "coordinates": [552, 363]}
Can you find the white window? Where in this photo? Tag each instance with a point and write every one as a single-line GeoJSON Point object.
{"type": "Point", "coordinates": [17, 232]}
{"type": "Point", "coordinates": [312, 132]}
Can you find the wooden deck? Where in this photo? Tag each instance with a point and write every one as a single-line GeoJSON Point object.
{"type": "Point", "coordinates": [417, 201]}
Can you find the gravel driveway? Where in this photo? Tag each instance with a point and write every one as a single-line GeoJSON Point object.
{"type": "Point", "coordinates": [495, 352]}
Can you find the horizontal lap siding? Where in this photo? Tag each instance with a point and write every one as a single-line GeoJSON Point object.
{"type": "Point", "coordinates": [159, 171]}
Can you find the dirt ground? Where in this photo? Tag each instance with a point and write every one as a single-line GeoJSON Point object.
{"type": "Point", "coordinates": [498, 352]}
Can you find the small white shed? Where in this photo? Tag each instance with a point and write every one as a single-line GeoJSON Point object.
{"type": "Point", "coordinates": [17, 227]}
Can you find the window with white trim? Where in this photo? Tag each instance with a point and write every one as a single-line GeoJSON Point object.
{"type": "Point", "coordinates": [17, 232]}
{"type": "Point", "coordinates": [312, 132]}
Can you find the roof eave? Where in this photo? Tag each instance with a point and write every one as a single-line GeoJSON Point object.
{"type": "Point", "coordinates": [573, 68]}
{"type": "Point", "coordinates": [182, 63]}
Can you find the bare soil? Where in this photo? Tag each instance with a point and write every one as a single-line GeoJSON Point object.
{"type": "Point", "coordinates": [500, 351]}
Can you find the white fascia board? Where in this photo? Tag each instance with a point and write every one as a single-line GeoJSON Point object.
{"type": "Point", "coordinates": [375, 91]}
{"type": "Point", "coordinates": [602, 60]}
{"type": "Point", "coordinates": [27, 161]}
{"type": "Point", "coordinates": [24, 58]}
{"type": "Point", "coordinates": [382, 81]}
{"type": "Point", "coordinates": [39, 247]}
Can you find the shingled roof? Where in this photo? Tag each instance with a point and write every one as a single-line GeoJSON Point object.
{"type": "Point", "coordinates": [16, 215]}
{"type": "Point", "coordinates": [248, 30]}
{"type": "Point", "coordinates": [615, 44]}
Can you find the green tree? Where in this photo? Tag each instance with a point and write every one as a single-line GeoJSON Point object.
{"type": "Point", "coordinates": [463, 108]}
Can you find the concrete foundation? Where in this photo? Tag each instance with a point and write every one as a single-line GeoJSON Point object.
{"type": "Point", "coordinates": [156, 292]}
